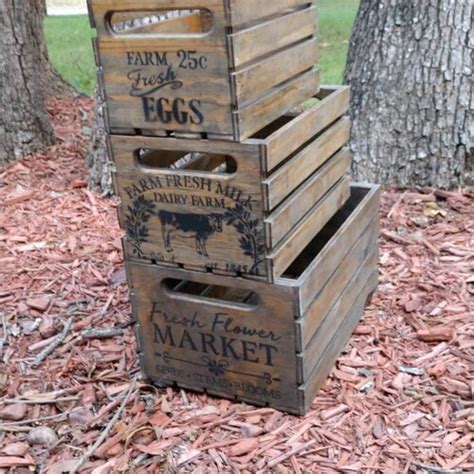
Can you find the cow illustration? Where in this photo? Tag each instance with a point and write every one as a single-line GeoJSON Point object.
{"type": "Point", "coordinates": [190, 226]}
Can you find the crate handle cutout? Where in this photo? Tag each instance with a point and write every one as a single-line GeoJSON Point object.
{"type": "Point", "coordinates": [186, 163]}
{"type": "Point", "coordinates": [222, 295]}
{"type": "Point", "coordinates": [156, 23]}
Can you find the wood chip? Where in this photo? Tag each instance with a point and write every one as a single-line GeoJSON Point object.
{"type": "Point", "coordinates": [63, 249]}
{"type": "Point", "coordinates": [41, 304]}
{"type": "Point", "coordinates": [244, 447]}
{"type": "Point", "coordinates": [326, 415]}
{"type": "Point", "coordinates": [438, 334]}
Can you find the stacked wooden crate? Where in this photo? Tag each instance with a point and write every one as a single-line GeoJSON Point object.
{"type": "Point", "coordinates": [250, 257]}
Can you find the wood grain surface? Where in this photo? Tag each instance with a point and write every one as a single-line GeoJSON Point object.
{"type": "Point", "coordinates": [213, 205]}
{"type": "Point", "coordinates": [198, 74]}
{"type": "Point", "coordinates": [242, 339]}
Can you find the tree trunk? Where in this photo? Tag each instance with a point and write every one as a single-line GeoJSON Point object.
{"type": "Point", "coordinates": [24, 122]}
{"type": "Point", "coordinates": [410, 66]}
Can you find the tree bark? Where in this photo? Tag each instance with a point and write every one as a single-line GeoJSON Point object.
{"type": "Point", "coordinates": [24, 122]}
{"type": "Point", "coordinates": [98, 160]}
{"type": "Point", "coordinates": [410, 66]}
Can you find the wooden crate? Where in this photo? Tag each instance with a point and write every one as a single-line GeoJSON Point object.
{"type": "Point", "coordinates": [222, 69]}
{"type": "Point", "coordinates": [235, 208]}
{"type": "Point", "coordinates": [253, 341]}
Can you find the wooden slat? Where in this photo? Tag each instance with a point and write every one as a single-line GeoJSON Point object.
{"type": "Point", "coordinates": [329, 89]}
{"type": "Point", "coordinates": [335, 284]}
{"type": "Point", "coordinates": [253, 117]}
{"type": "Point", "coordinates": [335, 346]}
{"type": "Point", "coordinates": [327, 328]}
{"type": "Point", "coordinates": [262, 39]}
{"type": "Point", "coordinates": [282, 256]}
{"type": "Point", "coordinates": [255, 80]}
{"type": "Point", "coordinates": [288, 214]}
{"type": "Point", "coordinates": [291, 137]}
{"type": "Point", "coordinates": [300, 167]}
{"type": "Point", "coordinates": [243, 11]}
{"type": "Point", "coordinates": [354, 221]}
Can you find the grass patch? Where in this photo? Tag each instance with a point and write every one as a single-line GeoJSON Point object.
{"type": "Point", "coordinates": [70, 50]}
{"type": "Point", "coordinates": [336, 19]}
{"type": "Point", "coordinates": [69, 44]}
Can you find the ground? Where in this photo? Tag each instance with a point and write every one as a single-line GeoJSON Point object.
{"type": "Point", "coordinates": [400, 398]}
{"type": "Point", "coordinates": [69, 45]}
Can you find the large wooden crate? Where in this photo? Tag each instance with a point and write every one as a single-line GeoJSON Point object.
{"type": "Point", "coordinates": [253, 341]}
{"type": "Point", "coordinates": [223, 68]}
{"type": "Point", "coordinates": [235, 208]}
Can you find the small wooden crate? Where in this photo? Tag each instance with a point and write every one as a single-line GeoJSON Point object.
{"type": "Point", "coordinates": [223, 69]}
{"type": "Point", "coordinates": [253, 341]}
{"type": "Point", "coordinates": [235, 208]}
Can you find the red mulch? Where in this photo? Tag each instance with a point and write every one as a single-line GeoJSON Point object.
{"type": "Point", "coordinates": [401, 398]}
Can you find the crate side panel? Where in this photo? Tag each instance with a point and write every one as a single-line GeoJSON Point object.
{"type": "Point", "coordinates": [366, 200]}
{"type": "Point", "coordinates": [289, 213]}
{"type": "Point", "coordinates": [281, 99]}
{"type": "Point", "coordinates": [256, 80]}
{"type": "Point", "coordinates": [287, 252]}
{"type": "Point", "coordinates": [327, 310]}
{"type": "Point", "coordinates": [287, 139]}
{"type": "Point", "coordinates": [165, 93]}
{"type": "Point", "coordinates": [199, 219]}
{"type": "Point", "coordinates": [260, 40]}
{"type": "Point", "coordinates": [161, 80]}
{"type": "Point", "coordinates": [241, 351]}
{"type": "Point", "coordinates": [306, 162]}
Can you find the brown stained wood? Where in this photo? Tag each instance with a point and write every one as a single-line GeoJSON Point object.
{"type": "Point", "coordinates": [333, 104]}
{"type": "Point", "coordinates": [336, 345]}
{"type": "Point", "coordinates": [329, 89]}
{"type": "Point", "coordinates": [251, 82]}
{"type": "Point", "coordinates": [187, 215]}
{"type": "Point", "coordinates": [242, 11]}
{"type": "Point", "coordinates": [200, 203]}
{"type": "Point", "coordinates": [95, 50]}
{"type": "Point", "coordinates": [281, 258]}
{"type": "Point", "coordinates": [280, 222]}
{"type": "Point", "coordinates": [262, 39]}
{"type": "Point", "coordinates": [339, 234]}
{"type": "Point", "coordinates": [167, 76]}
{"type": "Point", "coordinates": [240, 338]}
{"type": "Point", "coordinates": [306, 162]}
{"type": "Point", "coordinates": [332, 316]}
{"type": "Point", "coordinates": [251, 119]}
{"type": "Point", "coordinates": [187, 340]}
{"type": "Point", "coordinates": [337, 282]}
{"type": "Point", "coordinates": [102, 9]}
